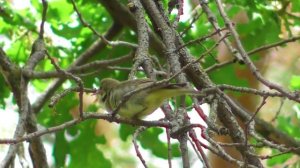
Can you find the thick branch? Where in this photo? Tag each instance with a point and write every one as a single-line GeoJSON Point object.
{"type": "Point", "coordinates": [123, 16]}
{"type": "Point", "coordinates": [141, 57]}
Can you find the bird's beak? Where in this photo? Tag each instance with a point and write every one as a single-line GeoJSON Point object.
{"type": "Point", "coordinates": [99, 91]}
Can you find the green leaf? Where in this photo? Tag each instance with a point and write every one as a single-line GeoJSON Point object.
{"type": "Point", "coordinates": [83, 149]}
{"type": "Point", "coordinates": [286, 125]}
{"type": "Point", "coordinates": [295, 5]}
{"type": "Point", "coordinates": [125, 131]}
{"type": "Point", "coordinates": [149, 140]}
{"type": "Point", "coordinates": [278, 159]}
{"type": "Point", "coordinates": [235, 10]}
{"type": "Point", "coordinates": [18, 52]}
{"type": "Point", "coordinates": [295, 82]}
{"type": "Point", "coordinates": [221, 76]}
{"type": "Point", "coordinates": [40, 85]}
{"type": "Point", "coordinates": [59, 113]}
{"type": "Point", "coordinates": [61, 149]}
{"type": "Point", "coordinates": [59, 11]}
{"type": "Point", "coordinates": [92, 108]}
{"type": "Point", "coordinates": [4, 92]}
{"type": "Point", "coordinates": [66, 31]}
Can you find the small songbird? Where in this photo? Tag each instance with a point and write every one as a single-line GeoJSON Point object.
{"type": "Point", "coordinates": [141, 103]}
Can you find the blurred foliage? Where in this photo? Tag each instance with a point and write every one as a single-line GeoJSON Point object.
{"type": "Point", "coordinates": [66, 39]}
{"type": "Point", "coordinates": [295, 82]}
{"type": "Point", "coordinates": [149, 140]}
{"type": "Point", "coordinates": [289, 126]}
{"type": "Point", "coordinates": [278, 159]}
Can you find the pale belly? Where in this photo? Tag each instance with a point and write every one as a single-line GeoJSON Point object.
{"type": "Point", "coordinates": [136, 111]}
{"type": "Point", "coordinates": [141, 109]}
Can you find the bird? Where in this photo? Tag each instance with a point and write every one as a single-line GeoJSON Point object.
{"type": "Point", "coordinates": [140, 103]}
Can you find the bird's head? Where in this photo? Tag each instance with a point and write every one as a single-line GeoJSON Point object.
{"type": "Point", "coordinates": [106, 85]}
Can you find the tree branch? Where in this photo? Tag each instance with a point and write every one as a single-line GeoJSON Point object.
{"type": "Point", "coordinates": [86, 116]}
{"type": "Point", "coordinates": [83, 58]}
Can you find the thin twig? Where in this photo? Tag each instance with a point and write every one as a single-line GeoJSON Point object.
{"type": "Point", "coordinates": [107, 42]}
{"type": "Point", "coordinates": [250, 126]}
{"type": "Point", "coordinates": [194, 19]}
{"type": "Point", "coordinates": [195, 149]}
{"type": "Point", "coordinates": [279, 154]}
{"type": "Point", "coordinates": [221, 152]}
{"type": "Point", "coordinates": [136, 147]}
{"type": "Point", "coordinates": [198, 59]}
{"type": "Point", "coordinates": [169, 147]}
{"type": "Point", "coordinates": [94, 66]}
{"type": "Point", "coordinates": [202, 39]}
{"type": "Point", "coordinates": [272, 45]}
{"type": "Point", "coordinates": [76, 79]}
{"type": "Point", "coordinates": [54, 100]}
{"type": "Point", "coordinates": [86, 116]}
{"type": "Point", "coordinates": [282, 100]}
{"type": "Point", "coordinates": [45, 7]}
{"type": "Point", "coordinates": [213, 21]}
{"type": "Point", "coordinates": [247, 60]}
{"type": "Point", "coordinates": [199, 148]}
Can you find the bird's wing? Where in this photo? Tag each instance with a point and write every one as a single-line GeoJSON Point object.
{"type": "Point", "coordinates": [139, 82]}
{"type": "Point", "coordinates": [131, 85]}
{"type": "Point", "coordinates": [174, 85]}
